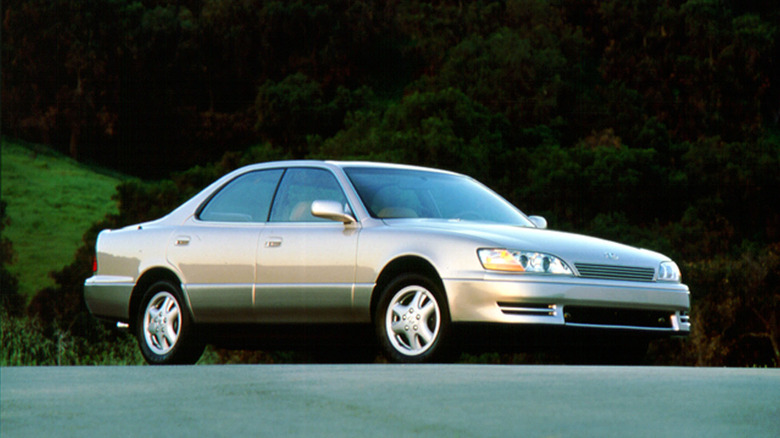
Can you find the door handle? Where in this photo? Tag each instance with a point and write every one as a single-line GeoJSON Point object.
{"type": "Point", "coordinates": [273, 242]}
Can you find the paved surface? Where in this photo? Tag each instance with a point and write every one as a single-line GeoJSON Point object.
{"type": "Point", "coordinates": [389, 401]}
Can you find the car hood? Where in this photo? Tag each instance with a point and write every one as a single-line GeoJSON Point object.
{"type": "Point", "coordinates": [573, 248]}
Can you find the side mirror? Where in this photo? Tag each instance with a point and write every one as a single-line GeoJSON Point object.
{"type": "Point", "coordinates": [331, 210]}
{"type": "Point", "coordinates": [538, 221]}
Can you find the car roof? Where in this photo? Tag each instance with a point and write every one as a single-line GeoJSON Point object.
{"type": "Point", "coordinates": [338, 164]}
{"type": "Point", "coordinates": [380, 165]}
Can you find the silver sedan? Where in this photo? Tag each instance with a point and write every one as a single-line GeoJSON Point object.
{"type": "Point", "coordinates": [409, 252]}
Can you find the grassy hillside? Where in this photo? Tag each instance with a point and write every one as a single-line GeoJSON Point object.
{"type": "Point", "coordinates": [52, 200]}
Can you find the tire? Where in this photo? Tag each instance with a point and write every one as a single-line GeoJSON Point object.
{"type": "Point", "coordinates": [164, 329]}
{"type": "Point", "coordinates": [412, 321]}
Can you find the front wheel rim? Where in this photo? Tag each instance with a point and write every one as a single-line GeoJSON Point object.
{"type": "Point", "coordinates": [162, 323]}
{"type": "Point", "coordinates": [413, 320]}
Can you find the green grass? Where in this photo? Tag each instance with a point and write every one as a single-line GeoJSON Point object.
{"type": "Point", "coordinates": [29, 341]}
{"type": "Point", "coordinates": [52, 200]}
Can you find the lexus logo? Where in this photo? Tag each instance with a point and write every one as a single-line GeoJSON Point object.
{"type": "Point", "coordinates": [611, 255]}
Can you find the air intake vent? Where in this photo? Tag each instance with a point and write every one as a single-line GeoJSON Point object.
{"type": "Point", "coordinates": [610, 272]}
{"type": "Point", "coordinates": [617, 317]}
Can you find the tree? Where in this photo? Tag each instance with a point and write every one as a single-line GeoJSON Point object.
{"type": "Point", "coordinates": [288, 111]}
{"type": "Point", "coordinates": [736, 319]}
{"type": "Point", "coordinates": [508, 74]}
{"type": "Point", "coordinates": [441, 129]}
{"type": "Point", "coordinates": [60, 68]}
{"type": "Point", "coordinates": [297, 107]}
{"type": "Point", "coordinates": [701, 69]}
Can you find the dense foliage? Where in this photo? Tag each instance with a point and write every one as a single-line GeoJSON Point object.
{"type": "Point", "coordinates": [10, 300]}
{"type": "Point", "coordinates": [652, 123]}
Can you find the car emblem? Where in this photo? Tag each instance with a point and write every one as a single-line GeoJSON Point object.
{"type": "Point", "coordinates": [611, 255]}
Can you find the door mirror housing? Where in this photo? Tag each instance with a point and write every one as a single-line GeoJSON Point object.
{"type": "Point", "coordinates": [332, 210]}
{"type": "Point", "coordinates": [538, 221]}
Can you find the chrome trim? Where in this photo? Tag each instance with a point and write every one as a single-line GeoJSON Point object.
{"type": "Point", "coordinates": [528, 309]}
{"type": "Point", "coordinates": [681, 322]}
{"type": "Point", "coordinates": [622, 327]}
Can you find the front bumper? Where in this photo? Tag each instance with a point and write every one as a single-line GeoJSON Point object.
{"type": "Point", "coordinates": [570, 301]}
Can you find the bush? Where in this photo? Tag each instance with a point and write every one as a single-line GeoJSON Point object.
{"type": "Point", "coordinates": [26, 340]}
{"type": "Point", "coordinates": [11, 300]}
{"type": "Point", "coordinates": [736, 308]}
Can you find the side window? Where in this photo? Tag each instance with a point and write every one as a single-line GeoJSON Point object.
{"type": "Point", "coordinates": [245, 199]}
{"type": "Point", "coordinates": [299, 188]}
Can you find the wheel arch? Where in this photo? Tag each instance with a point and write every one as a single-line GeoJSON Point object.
{"type": "Point", "coordinates": [409, 264]}
{"type": "Point", "coordinates": [147, 279]}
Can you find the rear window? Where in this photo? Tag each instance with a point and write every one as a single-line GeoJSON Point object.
{"type": "Point", "coordinates": [244, 199]}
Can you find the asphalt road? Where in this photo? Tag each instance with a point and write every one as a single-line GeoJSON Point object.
{"type": "Point", "coordinates": [389, 401]}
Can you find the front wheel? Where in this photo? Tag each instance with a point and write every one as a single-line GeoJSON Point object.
{"type": "Point", "coordinates": [412, 320]}
{"type": "Point", "coordinates": [164, 330]}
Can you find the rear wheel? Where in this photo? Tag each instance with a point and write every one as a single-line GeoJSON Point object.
{"type": "Point", "coordinates": [164, 329]}
{"type": "Point", "coordinates": [412, 320]}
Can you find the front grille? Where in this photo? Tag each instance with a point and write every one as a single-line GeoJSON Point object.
{"type": "Point", "coordinates": [617, 317]}
{"type": "Point", "coordinates": [611, 272]}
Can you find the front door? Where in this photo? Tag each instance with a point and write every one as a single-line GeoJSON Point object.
{"type": "Point", "coordinates": [305, 264]}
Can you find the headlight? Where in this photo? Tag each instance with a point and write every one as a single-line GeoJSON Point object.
{"type": "Point", "coordinates": [668, 271]}
{"type": "Point", "coordinates": [499, 259]}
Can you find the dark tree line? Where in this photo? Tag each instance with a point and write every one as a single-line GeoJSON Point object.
{"type": "Point", "coordinates": [112, 80]}
{"type": "Point", "coordinates": [654, 123]}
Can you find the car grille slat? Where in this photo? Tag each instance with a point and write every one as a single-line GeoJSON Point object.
{"type": "Point", "coordinates": [612, 272]}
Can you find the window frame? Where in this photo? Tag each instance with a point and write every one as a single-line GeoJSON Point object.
{"type": "Point", "coordinates": [345, 198]}
{"type": "Point", "coordinates": [199, 212]}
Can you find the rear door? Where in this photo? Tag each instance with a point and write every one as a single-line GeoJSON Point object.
{"type": "Point", "coordinates": [216, 249]}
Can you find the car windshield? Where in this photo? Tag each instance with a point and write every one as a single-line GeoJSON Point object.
{"type": "Point", "coordinates": [390, 193]}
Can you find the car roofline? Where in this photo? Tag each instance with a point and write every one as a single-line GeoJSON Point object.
{"type": "Point", "coordinates": [340, 164]}
{"type": "Point", "coordinates": [182, 212]}
{"type": "Point", "coordinates": [383, 165]}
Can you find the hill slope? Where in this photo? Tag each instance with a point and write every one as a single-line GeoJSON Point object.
{"type": "Point", "coordinates": [52, 200]}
